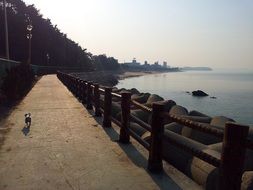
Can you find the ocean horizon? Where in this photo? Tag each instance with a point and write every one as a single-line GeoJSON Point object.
{"type": "Point", "coordinates": [233, 91]}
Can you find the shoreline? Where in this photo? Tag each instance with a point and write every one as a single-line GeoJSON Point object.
{"type": "Point", "coordinates": [131, 74]}
{"type": "Point", "coordinates": [110, 78]}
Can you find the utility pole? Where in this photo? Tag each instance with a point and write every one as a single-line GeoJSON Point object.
{"type": "Point", "coordinates": [29, 37]}
{"type": "Point", "coordinates": [6, 32]}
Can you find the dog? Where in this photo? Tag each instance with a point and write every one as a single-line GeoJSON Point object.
{"type": "Point", "coordinates": [28, 119]}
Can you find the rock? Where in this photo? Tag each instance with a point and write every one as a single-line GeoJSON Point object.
{"type": "Point", "coordinates": [137, 128]}
{"type": "Point", "coordinates": [178, 110]}
{"type": "Point", "coordinates": [140, 114]}
{"type": "Point", "coordinates": [247, 180]}
{"type": "Point", "coordinates": [116, 108]}
{"type": "Point", "coordinates": [115, 89]}
{"type": "Point", "coordinates": [176, 156]}
{"type": "Point", "coordinates": [199, 93]}
{"type": "Point", "coordinates": [200, 119]}
{"type": "Point", "coordinates": [119, 91]}
{"type": "Point", "coordinates": [147, 137]}
{"type": "Point", "coordinates": [202, 172]}
{"type": "Point", "coordinates": [168, 104]}
{"type": "Point", "coordinates": [197, 135]}
{"type": "Point", "coordinates": [197, 113]}
{"type": "Point", "coordinates": [153, 98]}
{"type": "Point", "coordinates": [141, 98]}
{"type": "Point", "coordinates": [220, 121]}
{"type": "Point", "coordinates": [134, 91]}
{"type": "Point", "coordinates": [174, 127]}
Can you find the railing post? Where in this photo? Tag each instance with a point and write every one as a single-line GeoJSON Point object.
{"type": "Point", "coordinates": [84, 92]}
{"type": "Point", "coordinates": [125, 117]}
{"type": "Point", "coordinates": [107, 107]}
{"type": "Point", "coordinates": [97, 100]}
{"type": "Point", "coordinates": [71, 84]}
{"type": "Point", "coordinates": [232, 156]}
{"type": "Point", "coordinates": [81, 91]}
{"type": "Point", "coordinates": [78, 88]}
{"type": "Point", "coordinates": [89, 96]}
{"type": "Point", "coordinates": [157, 129]}
{"type": "Point", "coordinates": [74, 86]}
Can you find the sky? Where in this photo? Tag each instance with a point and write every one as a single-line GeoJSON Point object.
{"type": "Point", "coordinates": [213, 33]}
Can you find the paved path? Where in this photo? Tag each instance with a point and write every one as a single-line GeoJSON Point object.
{"type": "Point", "coordinates": [66, 148]}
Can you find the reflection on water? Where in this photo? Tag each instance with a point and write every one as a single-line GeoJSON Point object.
{"type": "Point", "coordinates": [234, 91]}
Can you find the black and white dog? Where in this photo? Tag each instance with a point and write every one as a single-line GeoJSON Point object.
{"type": "Point", "coordinates": [28, 119]}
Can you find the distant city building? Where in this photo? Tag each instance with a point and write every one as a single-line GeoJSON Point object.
{"type": "Point", "coordinates": [134, 63]}
{"type": "Point", "coordinates": [136, 66]}
{"type": "Point", "coordinates": [165, 64]}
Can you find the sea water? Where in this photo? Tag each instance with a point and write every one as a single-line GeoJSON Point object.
{"type": "Point", "coordinates": [233, 91]}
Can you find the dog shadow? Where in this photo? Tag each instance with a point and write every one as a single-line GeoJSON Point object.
{"type": "Point", "coordinates": [26, 130]}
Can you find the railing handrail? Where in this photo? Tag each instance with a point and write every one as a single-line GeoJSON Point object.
{"type": "Point", "coordinates": [102, 90]}
{"type": "Point", "coordinates": [196, 152]}
{"type": "Point", "coordinates": [140, 122]}
{"type": "Point", "coordinates": [140, 106]}
{"type": "Point", "coordinates": [116, 95]}
{"type": "Point", "coordinates": [206, 128]}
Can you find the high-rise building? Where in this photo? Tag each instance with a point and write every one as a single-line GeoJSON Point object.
{"type": "Point", "coordinates": [165, 64]}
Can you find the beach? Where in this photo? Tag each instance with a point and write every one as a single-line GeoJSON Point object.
{"type": "Point", "coordinates": [130, 74]}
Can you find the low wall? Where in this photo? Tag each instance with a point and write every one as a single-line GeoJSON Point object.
{"type": "Point", "coordinates": [6, 64]}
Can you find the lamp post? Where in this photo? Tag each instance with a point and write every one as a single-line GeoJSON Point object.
{"type": "Point", "coordinates": [29, 37]}
{"type": "Point", "coordinates": [48, 57]}
{"type": "Point", "coordinates": [6, 32]}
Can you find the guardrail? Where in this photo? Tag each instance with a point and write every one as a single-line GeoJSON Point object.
{"type": "Point", "coordinates": [5, 65]}
{"type": "Point", "coordinates": [37, 69]}
{"type": "Point", "coordinates": [234, 136]}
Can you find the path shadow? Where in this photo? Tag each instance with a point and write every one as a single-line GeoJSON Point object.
{"type": "Point", "coordinates": [111, 132]}
{"type": "Point", "coordinates": [26, 130]}
{"type": "Point", "coordinates": [162, 180]}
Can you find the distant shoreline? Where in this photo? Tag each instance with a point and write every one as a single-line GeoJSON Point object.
{"type": "Point", "coordinates": [110, 78]}
{"type": "Point", "coordinates": [131, 74]}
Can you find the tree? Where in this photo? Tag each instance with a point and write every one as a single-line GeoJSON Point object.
{"type": "Point", "coordinates": [46, 39]}
{"type": "Point", "coordinates": [102, 62]}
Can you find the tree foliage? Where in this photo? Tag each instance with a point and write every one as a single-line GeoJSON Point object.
{"type": "Point", "coordinates": [49, 45]}
{"type": "Point", "coordinates": [102, 62]}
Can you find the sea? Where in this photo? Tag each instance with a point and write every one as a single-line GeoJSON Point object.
{"type": "Point", "coordinates": [233, 91]}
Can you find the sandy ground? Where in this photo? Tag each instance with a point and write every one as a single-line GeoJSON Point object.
{"type": "Point", "coordinates": [66, 148]}
{"type": "Point", "coordinates": [129, 74]}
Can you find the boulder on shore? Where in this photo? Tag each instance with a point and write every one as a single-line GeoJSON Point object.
{"type": "Point", "coordinates": [141, 98]}
{"type": "Point", "coordinates": [199, 93]}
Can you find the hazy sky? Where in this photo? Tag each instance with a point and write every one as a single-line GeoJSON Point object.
{"type": "Point", "coordinates": [215, 33]}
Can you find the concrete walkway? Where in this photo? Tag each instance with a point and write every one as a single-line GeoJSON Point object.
{"type": "Point", "coordinates": [66, 148]}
